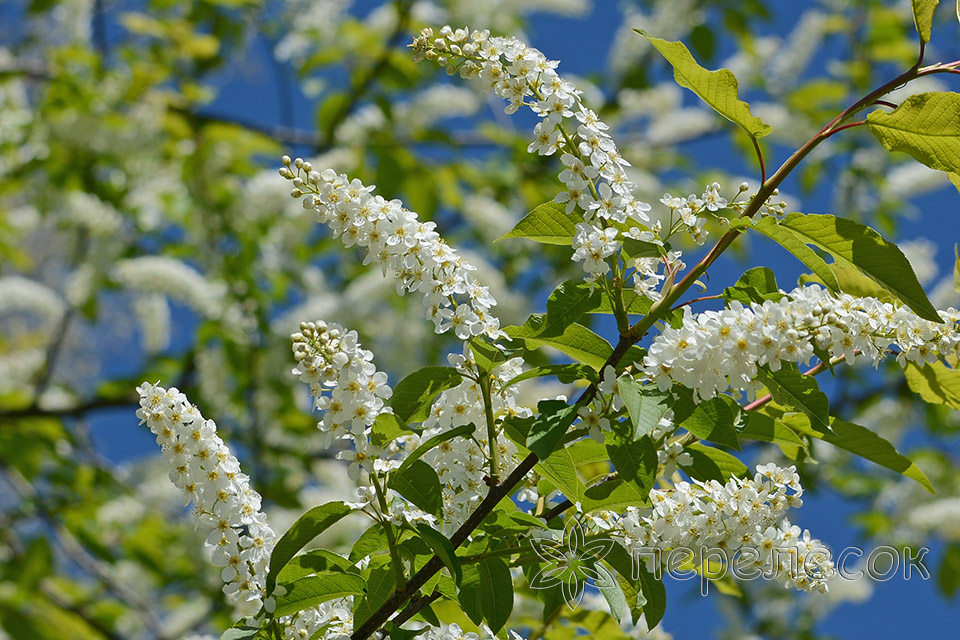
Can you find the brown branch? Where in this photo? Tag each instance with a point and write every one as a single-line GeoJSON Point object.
{"type": "Point", "coordinates": [415, 606]}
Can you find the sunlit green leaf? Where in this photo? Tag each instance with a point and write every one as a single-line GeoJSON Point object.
{"type": "Point", "coordinates": [719, 89]}
{"type": "Point", "coordinates": [306, 528]}
{"type": "Point", "coordinates": [419, 483]}
{"type": "Point", "coordinates": [546, 224]}
{"type": "Point", "coordinates": [713, 464]}
{"type": "Point", "coordinates": [313, 590]}
{"type": "Point", "coordinates": [414, 394]}
{"type": "Point", "coordinates": [442, 547]}
{"type": "Point", "coordinates": [935, 383]}
{"type": "Point", "coordinates": [923, 16]}
{"type": "Point", "coordinates": [854, 245]}
{"type": "Point", "coordinates": [926, 126]}
{"type": "Point", "coordinates": [859, 441]}
{"type": "Point", "coordinates": [797, 392]}
{"type": "Point", "coordinates": [577, 341]}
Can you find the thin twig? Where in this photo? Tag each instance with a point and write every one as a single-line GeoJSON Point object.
{"type": "Point", "coordinates": [415, 606]}
{"type": "Point", "coordinates": [763, 166]}
{"type": "Point", "coordinates": [694, 300]}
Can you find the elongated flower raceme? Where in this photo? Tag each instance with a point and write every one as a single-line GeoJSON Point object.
{"type": "Point", "coordinates": [740, 515]}
{"type": "Point", "coordinates": [224, 503]}
{"type": "Point", "coordinates": [409, 249]}
{"type": "Point", "coordinates": [719, 350]}
{"type": "Point", "coordinates": [597, 188]}
{"type": "Point", "coordinates": [228, 509]}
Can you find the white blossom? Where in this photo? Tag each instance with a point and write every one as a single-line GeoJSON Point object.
{"type": "Point", "coordinates": [408, 249]}
{"type": "Point", "coordinates": [737, 514]}
{"type": "Point", "coordinates": [718, 350]}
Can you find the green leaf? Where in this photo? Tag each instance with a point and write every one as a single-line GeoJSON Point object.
{"type": "Point", "coordinates": [414, 394]}
{"type": "Point", "coordinates": [587, 451]}
{"type": "Point", "coordinates": [713, 464]}
{"type": "Point", "coordinates": [399, 633]}
{"type": "Point", "coordinates": [495, 588]}
{"type": "Point", "coordinates": [552, 421]}
{"type": "Point", "coordinates": [380, 586]}
{"type": "Point", "coordinates": [308, 592]}
{"type": "Point", "coordinates": [306, 528]}
{"type": "Point", "coordinates": [546, 224]}
{"type": "Point", "coordinates": [240, 633]}
{"type": "Point", "coordinates": [565, 373]}
{"type": "Point", "coordinates": [463, 430]}
{"type": "Point", "coordinates": [371, 541]}
{"type": "Point", "coordinates": [569, 302]}
{"type": "Point", "coordinates": [419, 483]}
{"type": "Point", "coordinates": [923, 16]}
{"type": "Point", "coordinates": [639, 249]}
{"type": "Point", "coordinates": [486, 592]}
{"type": "Point", "coordinates": [862, 442]}
{"type": "Point", "coordinates": [935, 383]}
{"type": "Point", "coordinates": [926, 126]}
{"type": "Point", "coordinates": [713, 420]}
{"type": "Point", "coordinates": [635, 461]}
{"type": "Point", "coordinates": [329, 113]}
{"type": "Point", "coordinates": [612, 593]}
{"type": "Point", "coordinates": [644, 405]}
{"type": "Point", "coordinates": [386, 428]}
{"type": "Point", "coordinates": [312, 562]}
{"type": "Point", "coordinates": [489, 355]}
{"type": "Point", "coordinates": [577, 341]}
{"type": "Point", "coordinates": [655, 595]}
{"type": "Point", "coordinates": [789, 240]}
{"type": "Point", "coordinates": [948, 574]}
{"type": "Point", "coordinates": [613, 495]}
{"type": "Point", "coordinates": [768, 429]}
{"type": "Point", "coordinates": [719, 89]}
{"type": "Point", "coordinates": [560, 469]}
{"type": "Point", "coordinates": [634, 303]}
{"type": "Point", "coordinates": [854, 245]}
{"type": "Point", "coordinates": [443, 549]}
{"type": "Point", "coordinates": [797, 392]}
{"type": "Point", "coordinates": [755, 285]}
{"type": "Point", "coordinates": [852, 281]}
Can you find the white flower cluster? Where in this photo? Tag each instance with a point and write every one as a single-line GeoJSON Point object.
{"type": "Point", "coordinates": [228, 509]}
{"type": "Point", "coordinates": [741, 515]}
{"type": "Point", "coordinates": [462, 463]}
{"type": "Point", "coordinates": [345, 384]}
{"type": "Point", "coordinates": [225, 505]}
{"type": "Point", "coordinates": [394, 238]}
{"type": "Point", "coordinates": [718, 350]}
{"type": "Point", "coordinates": [597, 186]}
